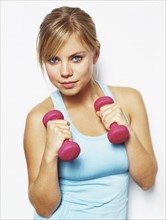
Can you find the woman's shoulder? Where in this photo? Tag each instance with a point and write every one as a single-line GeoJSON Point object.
{"type": "Point", "coordinates": [130, 99]}
{"type": "Point", "coordinates": [37, 112]}
{"type": "Point", "coordinates": [125, 94]}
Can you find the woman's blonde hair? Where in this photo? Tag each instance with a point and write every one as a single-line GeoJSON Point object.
{"type": "Point", "coordinates": [59, 25]}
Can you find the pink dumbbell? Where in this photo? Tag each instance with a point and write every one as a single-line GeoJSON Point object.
{"type": "Point", "coordinates": [117, 133]}
{"type": "Point", "coordinates": [69, 149]}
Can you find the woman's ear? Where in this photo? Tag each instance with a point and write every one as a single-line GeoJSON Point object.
{"type": "Point", "coordinates": [96, 55]}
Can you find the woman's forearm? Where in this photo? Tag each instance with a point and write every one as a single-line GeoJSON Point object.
{"type": "Point", "coordinates": [44, 192]}
{"type": "Point", "coordinates": [142, 164]}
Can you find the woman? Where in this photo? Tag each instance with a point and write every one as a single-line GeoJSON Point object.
{"type": "Point", "coordinates": [95, 184]}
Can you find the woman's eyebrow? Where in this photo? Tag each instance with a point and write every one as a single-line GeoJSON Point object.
{"type": "Point", "coordinates": [73, 54]}
{"type": "Point", "coordinates": [78, 52]}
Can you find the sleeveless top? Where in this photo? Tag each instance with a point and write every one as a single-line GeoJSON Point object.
{"type": "Point", "coordinates": [95, 184]}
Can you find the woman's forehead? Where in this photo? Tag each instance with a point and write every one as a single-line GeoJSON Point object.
{"type": "Point", "coordinates": [72, 45]}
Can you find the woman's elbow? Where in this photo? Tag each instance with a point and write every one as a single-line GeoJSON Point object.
{"type": "Point", "coordinates": [148, 182]}
{"type": "Point", "coordinates": [43, 207]}
{"type": "Point", "coordinates": [47, 211]}
{"type": "Point", "coordinates": [147, 186]}
{"type": "Point", "coordinates": [44, 213]}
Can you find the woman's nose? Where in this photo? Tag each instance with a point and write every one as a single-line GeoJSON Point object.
{"type": "Point", "coordinates": [66, 70]}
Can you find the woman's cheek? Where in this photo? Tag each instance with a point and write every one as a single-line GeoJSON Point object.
{"type": "Point", "coordinates": [51, 72]}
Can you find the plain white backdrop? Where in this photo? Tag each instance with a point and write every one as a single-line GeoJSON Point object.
{"type": "Point", "coordinates": [132, 38]}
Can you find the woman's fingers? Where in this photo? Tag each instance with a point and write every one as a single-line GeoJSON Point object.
{"type": "Point", "coordinates": [57, 132]}
{"type": "Point", "coordinates": [110, 114]}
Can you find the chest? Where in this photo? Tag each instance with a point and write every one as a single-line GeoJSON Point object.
{"type": "Point", "coordinates": [87, 122]}
{"type": "Point", "coordinates": [98, 158]}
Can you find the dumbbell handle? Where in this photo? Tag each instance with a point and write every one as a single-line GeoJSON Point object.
{"type": "Point", "coordinates": [69, 149]}
{"type": "Point", "coordinates": [117, 133]}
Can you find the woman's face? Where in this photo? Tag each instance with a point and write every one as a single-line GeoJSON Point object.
{"type": "Point", "coordinates": [71, 69]}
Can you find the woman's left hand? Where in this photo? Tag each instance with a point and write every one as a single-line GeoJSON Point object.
{"type": "Point", "coordinates": [112, 113]}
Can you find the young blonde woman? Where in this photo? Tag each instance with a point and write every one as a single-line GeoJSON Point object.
{"type": "Point", "coordinates": [95, 184]}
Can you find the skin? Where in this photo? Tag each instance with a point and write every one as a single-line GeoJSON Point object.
{"type": "Point", "coordinates": [71, 72]}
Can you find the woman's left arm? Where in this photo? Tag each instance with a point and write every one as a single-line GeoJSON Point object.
{"type": "Point", "coordinates": [142, 161]}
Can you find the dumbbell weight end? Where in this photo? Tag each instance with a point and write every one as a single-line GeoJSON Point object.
{"type": "Point", "coordinates": [117, 133]}
{"type": "Point", "coordinates": [69, 151]}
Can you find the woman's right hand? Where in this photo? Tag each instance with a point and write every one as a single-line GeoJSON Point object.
{"type": "Point", "coordinates": [56, 132]}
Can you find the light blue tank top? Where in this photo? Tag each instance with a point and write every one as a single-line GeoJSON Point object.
{"type": "Point", "coordinates": [95, 185]}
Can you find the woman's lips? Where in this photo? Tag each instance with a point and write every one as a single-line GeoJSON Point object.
{"type": "Point", "coordinates": [68, 85]}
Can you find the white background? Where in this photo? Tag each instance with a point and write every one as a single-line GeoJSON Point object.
{"type": "Point", "coordinates": [132, 54]}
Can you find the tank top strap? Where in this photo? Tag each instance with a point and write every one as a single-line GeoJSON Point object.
{"type": "Point", "coordinates": [105, 89]}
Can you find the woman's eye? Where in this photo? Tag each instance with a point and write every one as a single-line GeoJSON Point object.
{"type": "Point", "coordinates": [77, 59]}
{"type": "Point", "coordinates": [53, 60]}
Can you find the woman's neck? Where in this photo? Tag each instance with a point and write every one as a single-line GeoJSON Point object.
{"type": "Point", "coordinates": [85, 98]}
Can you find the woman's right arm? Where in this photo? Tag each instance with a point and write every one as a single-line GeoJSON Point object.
{"type": "Point", "coordinates": [41, 146]}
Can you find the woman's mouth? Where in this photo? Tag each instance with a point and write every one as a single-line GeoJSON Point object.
{"type": "Point", "coordinates": [68, 85]}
